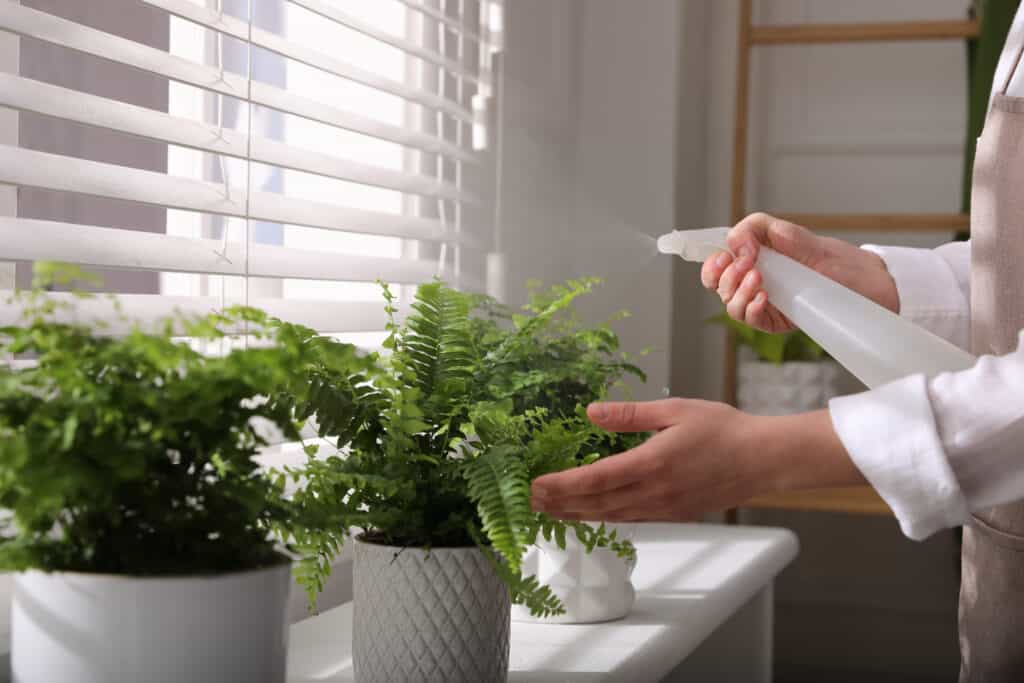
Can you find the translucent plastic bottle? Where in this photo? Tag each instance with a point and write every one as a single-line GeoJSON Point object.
{"type": "Point", "coordinates": [873, 343]}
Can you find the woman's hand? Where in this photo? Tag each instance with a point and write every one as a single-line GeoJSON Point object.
{"type": "Point", "coordinates": [705, 457]}
{"type": "Point", "coordinates": [739, 284]}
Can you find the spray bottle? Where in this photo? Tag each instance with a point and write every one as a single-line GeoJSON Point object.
{"type": "Point", "coordinates": [873, 343]}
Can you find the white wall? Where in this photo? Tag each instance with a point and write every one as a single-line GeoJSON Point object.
{"type": "Point", "coordinates": [589, 168]}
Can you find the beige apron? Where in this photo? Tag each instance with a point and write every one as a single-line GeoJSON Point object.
{"type": "Point", "coordinates": [992, 584]}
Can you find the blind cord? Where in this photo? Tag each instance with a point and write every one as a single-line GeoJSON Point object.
{"type": "Point", "coordinates": [248, 166]}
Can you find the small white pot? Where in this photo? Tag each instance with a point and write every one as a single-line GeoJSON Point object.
{"type": "Point", "coordinates": [69, 627]}
{"type": "Point", "coordinates": [437, 616]}
{"type": "Point", "coordinates": [788, 388]}
{"type": "Point", "coordinates": [592, 586]}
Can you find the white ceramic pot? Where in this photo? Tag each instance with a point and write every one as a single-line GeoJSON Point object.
{"type": "Point", "coordinates": [437, 616]}
{"type": "Point", "coordinates": [70, 627]}
{"type": "Point", "coordinates": [593, 587]}
{"type": "Point", "coordinates": [788, 388]}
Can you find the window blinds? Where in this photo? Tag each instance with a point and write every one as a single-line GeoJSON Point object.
{"type": "Point", "coordinates": [302, 147]}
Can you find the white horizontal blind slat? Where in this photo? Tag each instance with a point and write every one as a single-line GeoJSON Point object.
{"type": "Point", "coordinates": [289, 103]}
{"type": "Point", "coordinates": [333, 65]}
{"type": "Point", "coordinates": [30, 95]}
{"type": "Point", "coordinates": [88, 245]}
{"type": "Point", "coordinates": [269, 151]}
{"type": "Point", "coordinates": [333, 13]}
{"type": "Point", "coordinates": [277, 208]}
{"type": "Point", "coordinates": [42, 26]}
{"type": "Point", "coordinates": [148, 311]}
{"type": "Point", "coordinates": [52, 29]}
{"type": "Point", "coordinates": [237, 28]}
{"type": "Point", "coordinates": [67, 174]}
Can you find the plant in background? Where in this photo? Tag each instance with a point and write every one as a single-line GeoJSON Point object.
{"type": "Point", "coordinates": [438, 442]}
{"type": "Point", "coordinates": [789, 347]}
{"type": "Point", "coordinates": [134, 454]}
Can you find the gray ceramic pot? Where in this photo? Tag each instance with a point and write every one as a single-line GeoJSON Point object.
{"type": "Point", "coordinates": [441, 616]}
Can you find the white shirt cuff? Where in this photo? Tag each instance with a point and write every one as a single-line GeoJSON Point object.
{"type": "Point", "coordinates": [929, 292]}
{"type": "Point", "coordinates": [890, 434]}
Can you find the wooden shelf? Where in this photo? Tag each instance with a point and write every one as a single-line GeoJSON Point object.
{"type": "Point", "coordinates": [883, 222]}
{"type": "Point", "coordinates": [859, 33]}
{"type": "Point", "coordinates": [860, 500]}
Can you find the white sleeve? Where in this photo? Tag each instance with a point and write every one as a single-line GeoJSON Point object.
{"type": "Point", "coordinates": [936, 450]}
{"type": "Point", "coordinates": [933, 287]}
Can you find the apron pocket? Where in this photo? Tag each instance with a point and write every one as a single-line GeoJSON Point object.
{"type": "Point", "coordinates": [999, 536]}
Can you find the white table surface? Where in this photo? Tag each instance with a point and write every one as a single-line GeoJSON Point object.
{"type": "Point", "coordinates": [690, 578]}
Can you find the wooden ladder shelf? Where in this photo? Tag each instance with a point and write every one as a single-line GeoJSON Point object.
{"type": "Point", "coordinates": [861, 499]}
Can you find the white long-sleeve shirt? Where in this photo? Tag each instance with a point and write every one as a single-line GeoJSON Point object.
{"type": "Point", "coordinates": [937, 450]}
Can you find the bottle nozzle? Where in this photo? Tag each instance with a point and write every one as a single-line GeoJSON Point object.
{"type": "Point", "coordinates": [694, 245]}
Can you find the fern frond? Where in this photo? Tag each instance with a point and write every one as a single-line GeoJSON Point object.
{"type": "Point", "coordinates": [523, 590]}
{"type": "Point", "coordinates": [600, 537]}
{"type": "Point", "coordinates": [437, 344]}
{"type": "Point", "coordinates": [499, 485]}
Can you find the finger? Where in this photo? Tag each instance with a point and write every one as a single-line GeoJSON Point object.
{"type": "Point", "coordinates": [749, 234]}
{"type": "Point", "coordinates": [597, 506]}
{"type": "Point", "coordinates": [600, 477]}
{"type": "Point", "coordinates": [648, 416]}
{"type": "Point", "coordinates": [737, 306]}
{"type": "Point", "coordinates": [657, 514]}
{"type": "Point", "coordinates": [777, 321]}
{"type": "Point", "coordinates": [757, 312]}
{"type": "Point", "coordinates": [787, 238]}
{"type": "Point", "coordinates": [646, 461]}
{"type": "Point", "coordinates": [728, 283]}
{"type": "Point", "coordinates": [712, 269]}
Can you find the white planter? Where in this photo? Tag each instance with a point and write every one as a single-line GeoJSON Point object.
{"type": "Point", "coordinates": [437, 616]}
{"type": "Point", "coordinates": [593, 587]}
{"type": "Point", "coordinates": [97, 628]}
{"type": "Point", "coordinates": [770, 389]}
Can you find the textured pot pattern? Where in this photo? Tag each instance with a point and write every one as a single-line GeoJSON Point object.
{"type": "Point", "coordinates": [95, 628]}
{"type": "Point", "coordinates": [770, 389]}
{"type": "Point", "coordinates": [428, 617]}
{"type": "Point", "coordinates": [593, 587]}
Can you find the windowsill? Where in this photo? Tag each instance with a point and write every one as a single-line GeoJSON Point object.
{"type": "Point", "coordinates": [703, 604]}
{"type": "Point", "coordinates": [702, 612]}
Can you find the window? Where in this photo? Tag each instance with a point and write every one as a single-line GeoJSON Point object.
{"type": "Point", "coordinates": [281, 153]}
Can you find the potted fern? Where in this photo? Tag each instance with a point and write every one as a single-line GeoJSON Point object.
{"type": "Point", "coordinates": [138, 524]}
{"type": "Point", "coordinates": [431, 471]}
{"type": "Point", "coordinates": [782, 374]}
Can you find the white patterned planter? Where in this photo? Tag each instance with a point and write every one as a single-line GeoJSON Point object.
{"type": "Point", "coordinates": [437, 616]}
{"type": "Point", "coordinates": [592, 586]}
{"type": "Point", "coordinates": [788, 388]}
{"type": "Point", "coordinates": [96, 628]}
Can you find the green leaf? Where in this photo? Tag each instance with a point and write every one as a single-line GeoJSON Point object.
{"type": "Point", "coordinates": [499, 485]}
{"type": "Point", "coordinates": [68, 434]}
